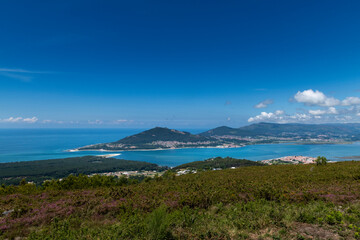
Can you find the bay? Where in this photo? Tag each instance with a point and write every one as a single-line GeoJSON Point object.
{"type": "Point", "coordinates": [40, 144]}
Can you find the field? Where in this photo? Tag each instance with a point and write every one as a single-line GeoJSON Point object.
{"type": "Point", "coordinates": [258, 202]}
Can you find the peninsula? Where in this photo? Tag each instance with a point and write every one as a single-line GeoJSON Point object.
{"type": "Point", "coordinates": [160, 138]}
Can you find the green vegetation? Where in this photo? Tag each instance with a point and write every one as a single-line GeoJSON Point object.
{"type": "Point", "coordinates": [348, 132]}
{"type": "Point", "coordinates": [38, 171]}
{"type": "Point", "coordinates": [218, 162]}
{"type": "Point", "coordinates": [157, 138]}
{"type": "Point", "coordinates": [162, 134]}
{"type": "Point", "coordinates": [321, 160]}
{"type": "Point", "coordinates": [258, 202]}
{"type": "Point", "coordinates": [259, 133]}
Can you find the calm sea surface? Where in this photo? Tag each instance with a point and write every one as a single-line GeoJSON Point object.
{"type": "Point", "coordinates": [40, 144]}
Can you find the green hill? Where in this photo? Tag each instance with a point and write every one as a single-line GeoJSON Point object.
{"type": "Point", "coordinates": [58, 168]}
{"type": "Point", "coordinates": [164, 138]}
{"type": "Point", "coordinates": [157, 138]}
{"type": "Point", "coordinates": [218, 162]}
{"type": "Point", "coordinates": [343, 131]}
{"type": "Point", "coordinates": [162, 134]}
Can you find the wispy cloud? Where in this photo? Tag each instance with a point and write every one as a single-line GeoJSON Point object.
{"type": "Point", "coordinates": [97, 121]}
{"type": "Point", "coordinates": [17, 70]}
{"type": "Point", "coordinates": [19, 120]}
{"type": "Point", "coordinates": [47, 121]}
{"type": "Point", "coordinates": [330, 110]}
{"type": "Point", "coordinates": [20, 74]}
{"type": "Point", "coordinates": [260, 89]}
{"type": "Point", "coordinates": [120, 121]}
{"type": "Point", "coordinates": [22, 78]}
{"type": "Point", "coordinates": [264, 103]}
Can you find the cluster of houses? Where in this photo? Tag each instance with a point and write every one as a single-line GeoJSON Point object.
{"type": "Point", "coordinates": [290, 160]}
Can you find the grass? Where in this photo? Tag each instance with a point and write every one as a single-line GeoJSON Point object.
{"type": "Point", "coordinates": [263, 202]}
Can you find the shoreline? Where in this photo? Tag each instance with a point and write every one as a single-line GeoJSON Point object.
{"type": "Point", "coordinates": [109, 155]}
{"type": "Point", "coordinates": [142, 150]}
{"type": "Point", "coordinates": [162, 149]}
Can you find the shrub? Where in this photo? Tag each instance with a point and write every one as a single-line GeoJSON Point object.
{"type": "Point", "coordinates": [158, 223]}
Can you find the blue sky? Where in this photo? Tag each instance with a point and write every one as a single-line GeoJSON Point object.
{"type": "Point", "coordinates": [180, 64]}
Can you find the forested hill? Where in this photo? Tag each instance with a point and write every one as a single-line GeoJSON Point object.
{"type": "Point", "coordinates": [346, 131]}
{"type": "Point", "coordinates": [219, 162]}
{"type": "Point", "coordinates": [157, 138]}
{"type": "Point", "coordinates": [162, 134]}
{"type": "Point", "coordinates": [38, 171]}
{"type": "Point", "coordinates": [165, 138]}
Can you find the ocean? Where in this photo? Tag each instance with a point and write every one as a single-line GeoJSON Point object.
{"type": "Point", "coordinates": [40, 144]}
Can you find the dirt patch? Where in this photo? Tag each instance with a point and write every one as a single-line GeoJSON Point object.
{"type": "Point", "coordinates": [264, 234]}
{"type": "Point", "coordinates": [312, 231]}
{"type": "Point", "coordinates": [296, 231]}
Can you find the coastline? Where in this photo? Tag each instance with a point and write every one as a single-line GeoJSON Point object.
{"type": "Point", "coordinates": [216, 147]}
{"type": "Point", "coordinates": [140, 150]}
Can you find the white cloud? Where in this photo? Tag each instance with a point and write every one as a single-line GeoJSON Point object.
{"type": "Point", "coordinates": [298, 117]}
{"type": "Point", "coordinates": [16, 76]}
{"type": "Point", "coordinates": [280, 117]}
{"type": "Point", "coordinates": [95, 122]}
{"type": "Point", "coordinates": [330, 110]}
{"type": "Point", "coordinates": [119, 121]}
{"type": "Point", "coordinates": [350, 101]}
{"type": "Point", "coordinates": [317, 98]}
{"type": "Point", "coordinates": [264, 103]}
{"type": "Point", "coordinates": [30, 120]}
{"type": "Point", "coordinates": [20, 74]}
{"type": "Point", "coordinates": [17, 70]}
{"type": "Point", "coordinates": [12, 119]}
{"type": "Point", "coordinates": [264, 116]}
{"type": "Point", "coordinates": [54, 121]}
{"type": "Point", "coordinates": [310, 97]}
{"type": "Point", "coordinates": [317, 112]}
{"type": "Point", "coordinates": [279, 112]}
{"type": "Point", "coordinates": [19, 119]}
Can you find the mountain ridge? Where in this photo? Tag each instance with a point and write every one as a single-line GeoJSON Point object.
{"type": "Point", "coordinates": [156, 138]}
{"type": "Point", "coordinates": [288, 130]}
{"type": "Point", "coordinates": [224, 136]}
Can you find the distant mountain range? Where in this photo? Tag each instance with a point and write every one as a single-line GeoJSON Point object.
{"type": "Point", "coordinates": [164, 138]}
{"type": "Point", "coordinates": [293, 130]}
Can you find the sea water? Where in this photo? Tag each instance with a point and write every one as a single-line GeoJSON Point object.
{"type": "Point", "coordinates": [40, 144]}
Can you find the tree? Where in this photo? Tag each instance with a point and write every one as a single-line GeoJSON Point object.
{"type": "Point", "coordinates": [321, 160]}
{"type": "Point", "coordinates": [23, 182]}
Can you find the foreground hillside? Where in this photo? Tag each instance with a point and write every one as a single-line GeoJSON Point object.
{"type": "Point", "coordinates": [259, 202]}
